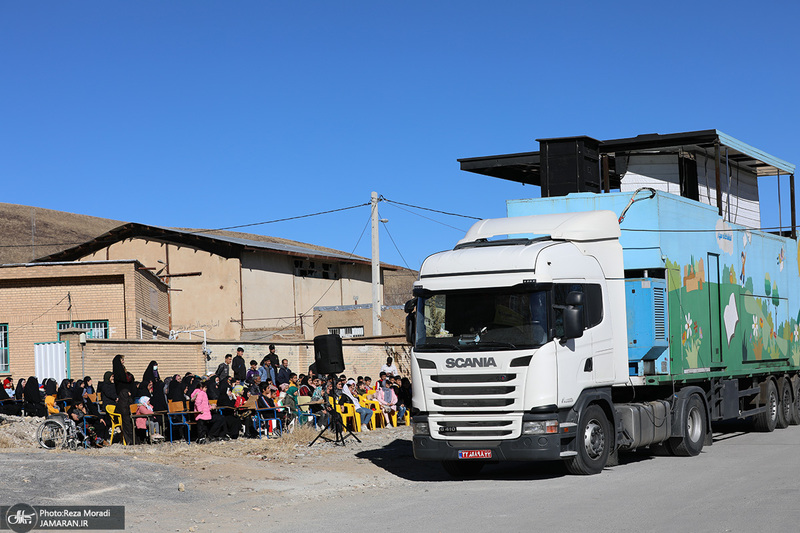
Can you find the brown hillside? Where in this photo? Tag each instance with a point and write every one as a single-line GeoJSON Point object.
{"type": "Point", "coordinates": [54, 231]}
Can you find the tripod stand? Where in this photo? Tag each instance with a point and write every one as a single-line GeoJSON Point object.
{"type": "Point", "coordinates": [334, 422]}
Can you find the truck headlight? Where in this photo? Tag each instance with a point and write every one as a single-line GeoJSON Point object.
{"type": "Point", "coordinates": [421, 429]}
{"type": "Point", "coordinates": [540, 427]}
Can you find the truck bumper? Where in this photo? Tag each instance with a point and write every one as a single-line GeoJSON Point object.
{"type": "Point", "coordinates": [541, 447]}
{"type": "Point", "coordinates": [524, 448]}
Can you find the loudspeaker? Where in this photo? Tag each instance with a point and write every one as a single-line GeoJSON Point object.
{"type": "Point", "coordinates": [328, 354]}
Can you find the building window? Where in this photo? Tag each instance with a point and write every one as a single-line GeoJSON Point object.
{"type": "Point", "coordinates": [98, 329]}
{"type": "Point", "coordinates": [347, 332]}
{"type": "Point", "coordinates": [4, 363]}
{"type": "Point", "coordinates": [305, 268]}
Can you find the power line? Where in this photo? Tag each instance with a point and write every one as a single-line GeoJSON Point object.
{"type": "Point", "coordinates": [280, 219]}
{"type": "Point", "coordinates": [383, 198]}
{"type": "Point", "coordinates": [429, 218]}
{"type": "Point", "coordinates": [396, 248]}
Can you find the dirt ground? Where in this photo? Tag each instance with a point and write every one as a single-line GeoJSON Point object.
{"type": "Point", "coordinates": [221, 486]}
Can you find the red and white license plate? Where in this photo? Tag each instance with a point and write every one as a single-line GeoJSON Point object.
{"type": "Point", "coordinates": [474, 454]}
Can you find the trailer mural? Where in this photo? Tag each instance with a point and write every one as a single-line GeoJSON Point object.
{"type": "Point", "coordinates": [747, 280]}
{"type": "Point", "coordinates": [758, 319]}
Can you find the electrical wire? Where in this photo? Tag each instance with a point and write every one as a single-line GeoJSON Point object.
{"type": "Point", "coordinates": [396, 248]}
{"type": "Point", "coordinates": [23, 326]}
{"type": "Point", "coordinates": [431, 219]}
{"type": "Point", "coordinates": [384, 199]}
{"type": "Point", "coordinates": [280, 219]}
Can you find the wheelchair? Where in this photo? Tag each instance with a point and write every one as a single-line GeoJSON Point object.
{"type": "Point", "coordinates": [59, 431]}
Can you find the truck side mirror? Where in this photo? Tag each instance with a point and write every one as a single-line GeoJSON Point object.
{"type": "Point", "coordinates": [411, 321]}
{"type": "Point", "coordinates": [573, 316]}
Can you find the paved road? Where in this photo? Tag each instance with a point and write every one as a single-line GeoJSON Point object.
{"type": "Point", "coordinates": [745, 482]}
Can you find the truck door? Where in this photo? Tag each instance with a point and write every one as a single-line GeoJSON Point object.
{"type": "Point", "coordinates": [714, 315]}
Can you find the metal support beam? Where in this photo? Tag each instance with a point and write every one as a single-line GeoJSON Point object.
{"type": "Point", "coordinates": [606, 178]}
{"type": "Point", "coordinates": [794, 219]}
{"type": "Point", "coordinates": [716, 175]}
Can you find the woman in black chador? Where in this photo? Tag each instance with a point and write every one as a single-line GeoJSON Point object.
{"type": "Point", "coordinates": [34, 403]}
{"type": "Point", "coordinates": [123, 381]}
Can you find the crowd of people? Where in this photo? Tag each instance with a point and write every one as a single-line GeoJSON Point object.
{"type": "Point", "coordinates": [223, 404]}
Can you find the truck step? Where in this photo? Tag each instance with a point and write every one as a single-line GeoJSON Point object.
{"type": "Point", "coordinates": [749, 392]}
{"type": "Point", "coordinates": [751, 412]}
{"type": "Point", "coordinates": [569, 454]}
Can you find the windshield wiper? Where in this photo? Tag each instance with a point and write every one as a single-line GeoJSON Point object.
{"type": "Point", "coordinates": [427, 345]}
{"type": "Point", "coordinates": [496, 344]}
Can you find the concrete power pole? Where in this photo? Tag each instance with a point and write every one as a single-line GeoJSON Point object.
{"type": "Point", "coordinates": [376, 269]}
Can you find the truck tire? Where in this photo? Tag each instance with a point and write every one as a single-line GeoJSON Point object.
{"type": "Point", "coordinates": [694, 435]}
{"type": "Point", "coordinates": [464, 469]}
{"type": "Point", "coordinates": [795, 404]}
{"type": "Point", "coordinates": [767, 420]}
{"type": "Point", "coordinates": [594, 441]}
{"type": "Point", "coordinates": [784, 405]}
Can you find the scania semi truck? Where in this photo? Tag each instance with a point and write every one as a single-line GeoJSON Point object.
{"type": "Point", "coordinates": [598, 323]}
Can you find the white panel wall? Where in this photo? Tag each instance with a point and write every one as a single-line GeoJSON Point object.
{"type": "Point", "coordinates": [661, 173]}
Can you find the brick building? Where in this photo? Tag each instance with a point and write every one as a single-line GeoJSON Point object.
{"type": "Point", "coordinates": [107, 299]}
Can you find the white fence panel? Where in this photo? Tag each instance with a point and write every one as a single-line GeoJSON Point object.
{"type": "Point", "coordinates": [50, 359]}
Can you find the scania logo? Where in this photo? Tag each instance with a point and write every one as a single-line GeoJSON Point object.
{"type": "Point", "coordinates": [470, 362]}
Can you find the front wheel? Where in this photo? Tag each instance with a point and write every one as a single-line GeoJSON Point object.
{"type": "Point", "coordinates": [594, 441]}
{"type": "Point", "coordinates": [51, 434]}
{"type": "Point", "coordinates": [694, 434]}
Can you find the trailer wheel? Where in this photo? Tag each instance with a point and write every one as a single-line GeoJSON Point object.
{"type": "Point", "coordinates": [594, 441]}
{"type": "Point", "coordinates": [795, 420]}
{"type": "Point", "coordinates": [691, 443]}
{"type": "Point", "coordinates": [464, 469]}
{"type": "Point", "coordinates": [767, 420]}
{"type": "Point", "coordinates": [785, 406]}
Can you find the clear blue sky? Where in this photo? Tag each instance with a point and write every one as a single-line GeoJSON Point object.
{"type": "Point", "coordinates": [212, 114]}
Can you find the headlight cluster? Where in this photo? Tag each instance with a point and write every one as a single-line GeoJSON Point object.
{"type": "Point", "coordinates": [540, 427]}
{"type": "Point", "coordinates": [421, 429]}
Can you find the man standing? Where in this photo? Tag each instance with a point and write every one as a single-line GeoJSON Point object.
{"type": "Point", "coordinates": [389, 368]}
{"type": "Point", "coordinates": [238, 366]}
{"type": "Point", "coordinates": [273, 360]}
{"type": "Point", "coordinates": [224, 369]}
{"type": "Point", "coordinates": [284, 373]}
{"type": "Point", "coordinates": [266, 371]}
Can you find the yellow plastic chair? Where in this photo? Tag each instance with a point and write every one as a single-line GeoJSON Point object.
{"type": "Point", "coordinates": [116, 422]}
{"type": "Point", "coordinates": [348, 413]}
{"type": "Point", "coordinates": [377, 413]}
{"type": "Point", "coordinates": [406, 418]}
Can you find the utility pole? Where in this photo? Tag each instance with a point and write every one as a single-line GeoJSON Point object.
{"type": "Point", "coordinates": [376, 269]}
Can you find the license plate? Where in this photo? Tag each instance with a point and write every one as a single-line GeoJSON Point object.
{"type": "Point", "coordinates": [475, 454]}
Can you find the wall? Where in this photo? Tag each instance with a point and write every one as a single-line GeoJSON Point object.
{"type": "Point", "coordinates": [393, 321]}
{"type": "Point", "coordinates": [209, 301]}
{"type": "Point", "coordinates": [173, 357]}
{"type": "Point", "coordinates": [33, 298]}
{"type": "Point", "coordinates": [361, 356]}
{"type": "Point", "coordinates": [661, 172]}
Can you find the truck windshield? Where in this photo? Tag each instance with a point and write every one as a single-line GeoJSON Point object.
{"type": "Point", "coordinates": [506, 319]}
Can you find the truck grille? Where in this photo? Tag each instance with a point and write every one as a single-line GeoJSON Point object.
{"type": "Point", "coordinates": [474, 427]}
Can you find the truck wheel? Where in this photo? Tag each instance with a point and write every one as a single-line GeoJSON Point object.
{"type": "Point", "coordinates": [767, 420]}
{"type": "Point", "coordinates": [796, 404]}
{"type": "Point", "coordinates": [594, 441]}
{"type": "Point", "coordinates": [694, 434]}
{"type": "Point", "coordinates": [784, 406]}
{"type": "Point", "coordinates": [464, 469]}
